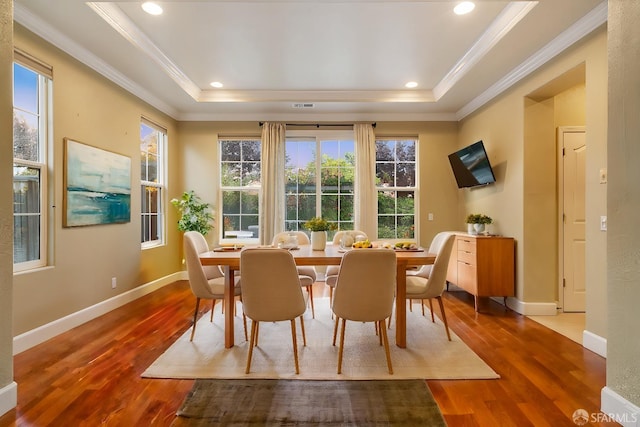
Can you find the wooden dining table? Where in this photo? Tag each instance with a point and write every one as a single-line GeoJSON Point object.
{"type": "Point", "coordinates": [229, 260]}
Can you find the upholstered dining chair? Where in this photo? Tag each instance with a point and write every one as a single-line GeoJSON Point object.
{"type": "Point", "coordinates": [206, 282]}
{"type": "Point", "coordinates": [364, 292]}
{"type": "Point", "coordinates": [271, 292]}
{"type": "Point", "coordinates": [430, 281]}
{"type": "Point", "coordinates": [307, 273]}
{"type": "Point", "coordinates": [331, 274]}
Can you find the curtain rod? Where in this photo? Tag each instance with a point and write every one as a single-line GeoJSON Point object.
{"type": "Point", "coordinates": [319, 124]}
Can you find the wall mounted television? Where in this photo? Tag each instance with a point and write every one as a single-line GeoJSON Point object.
{"type": "Point", "coordinates": [471, 166]}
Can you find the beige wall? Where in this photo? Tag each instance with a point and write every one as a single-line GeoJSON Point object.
{"type": "Point", "coordinates": [6, 196]}
{"type": "Point", "coordinates": [519, 133]}
{"type": "Point", "coordinates": [92, 110]}
{"type": "Point", "coordinates": [623, 346]}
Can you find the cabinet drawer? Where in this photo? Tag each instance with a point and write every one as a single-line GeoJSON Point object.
{"type": "Point", "coordinates": [467, 257]}
{"type": "Point", "coordinates": [467, 277]}
{"type": "Point", "coordinates": [467, 245]}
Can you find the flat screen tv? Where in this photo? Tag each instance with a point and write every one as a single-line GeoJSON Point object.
{"type": "Point", "coordinates": [471, 166]}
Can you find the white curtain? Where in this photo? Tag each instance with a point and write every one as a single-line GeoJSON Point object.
{"type": "Point", "coordinates": [272, 201]}
{"type": "Point", "coordinates": [366, 200]}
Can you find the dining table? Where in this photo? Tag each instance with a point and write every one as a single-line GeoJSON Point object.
{"type": "Point", "coordinates": [228, 258]}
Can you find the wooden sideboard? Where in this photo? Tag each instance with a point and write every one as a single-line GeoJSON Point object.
{"type": "Point", "coordinates": [484, 266]}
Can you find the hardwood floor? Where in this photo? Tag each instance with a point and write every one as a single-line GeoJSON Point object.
{"type": "Point", "coordinates": [90, 375]}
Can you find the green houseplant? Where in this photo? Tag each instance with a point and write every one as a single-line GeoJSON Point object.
{"type": "Point", "coordinates": [318, 224]}
{"type": "Point", "coordinates": [195, 215]}
{"type": "Point", "coordinates": [476, 223]}
{"type": "Point", "coordinates": [319, 227]}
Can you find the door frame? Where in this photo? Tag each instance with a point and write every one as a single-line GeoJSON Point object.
{"type": "Point", "coordinates": [560, 191]}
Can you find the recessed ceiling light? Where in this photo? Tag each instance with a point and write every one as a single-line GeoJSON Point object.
{"type": "Point", "coordinates": [216, 84]}
{"type": "Point", "coordinates": [411, 85]}
{"type": "Point", "coordinates": [464, 7]}
{"type": "Point", "coordinates": [152, 8]}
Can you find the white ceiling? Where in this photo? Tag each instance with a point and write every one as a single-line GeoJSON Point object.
{"type": "Point", "coordinates": [349, 58]}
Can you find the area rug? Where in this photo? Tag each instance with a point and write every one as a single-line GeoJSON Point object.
{"type": "Point", "coordinates": [429, 355]}
{"type": "Point", "coordinates": [290, 403]}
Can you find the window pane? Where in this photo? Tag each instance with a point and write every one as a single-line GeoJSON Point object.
{"type": "Point", "coordinates": [231, 202]}
{"type": "Point", "coordinates": [26, 238]}
{"type": "Point", "coordinates": [405, 204]}
{"type": "Point", "coordinates": [250, 174]}
{"type": "Point", "coordinates": [385, 174]}
{"type": "Point", "coordinates": [229, 151]}
{"type": "Point", "coordinates": [25, 136]}
{"type": "Point", "coordinates": [249, 202]}
{"type": "Point", "coordinates": [25, 89]}
{"type": "Point", "coordinates": [386, 202]}
{"type": "Point", "coordinates": [406, 151]}
{"type": "Point", "coordinates": [406, 175]}
{"type": "Point", "coordinates": [230, 174]}
{"type": "Point", "coordinates": [26, 189]}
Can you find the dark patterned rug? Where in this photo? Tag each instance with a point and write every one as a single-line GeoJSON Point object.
{"type": "Point", "coordinates": [316, 403]}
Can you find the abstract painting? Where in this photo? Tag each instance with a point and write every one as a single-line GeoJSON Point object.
{"type": "Point", "coordinates": [97, 186]}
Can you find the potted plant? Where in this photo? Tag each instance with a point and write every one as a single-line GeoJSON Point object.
{"type": "Point", "coordinates": [318, 227]}
{"type": "Point", "coordinates": [476, 223]}
{"type": "Point", "coordinates": [195, 214]}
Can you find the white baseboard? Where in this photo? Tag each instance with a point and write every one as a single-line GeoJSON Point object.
{"type": "Point", "coordinates": [8, 398]}
{"type": "Point", "coordinates": [532, 308]}
{"type": "Point", "coordinates": [41, 334]}
{"type": "Point", "coordinates": [595, 343]}
{"type": "Point", "coordinates": [618, 409]}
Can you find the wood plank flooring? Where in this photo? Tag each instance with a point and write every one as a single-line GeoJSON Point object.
{"type": "Point", "coordinates": [90, 376]}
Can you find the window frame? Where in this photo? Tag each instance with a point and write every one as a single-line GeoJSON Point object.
{"type": "Point", "coordinates": [415, 189]}
{"type": "Point", "coordinates": [161, 185]}
{"type": "Point", "coordinates": [320, 136]}
{"type": "Point", "coordinates": [44, 115]}
{"type": "Point", "coordinates": [241, 188]}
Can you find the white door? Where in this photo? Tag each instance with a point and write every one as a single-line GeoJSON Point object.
{"type": "Point", "coordinates": [573, 234]}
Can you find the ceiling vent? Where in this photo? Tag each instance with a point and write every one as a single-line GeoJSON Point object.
{"type": "Point", "coordinates": [303, 105]}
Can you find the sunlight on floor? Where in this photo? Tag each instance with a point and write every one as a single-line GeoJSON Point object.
{"type": "Point", "coordinates": [571, 325]}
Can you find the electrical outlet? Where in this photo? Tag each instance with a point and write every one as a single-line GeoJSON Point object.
{"type": "Point", "coordinates": [603, 223]}
{"type": "Point", "coordinates": [114, 283]}
{"type": "Point", "coordinates": [430, 216]}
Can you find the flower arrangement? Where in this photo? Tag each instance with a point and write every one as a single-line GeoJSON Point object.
{"type": "Point", "coordinates": [195, 214]}
{"type": "Point", "coordinates": [319, 224]}
{"type": "Point", "coordinates": [478, 219]}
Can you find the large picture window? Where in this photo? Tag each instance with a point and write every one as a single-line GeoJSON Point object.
{"type": "Point", "coordinates": [153, 145]}
{"type": "Point", "coordinates": [319, 185]}
{"type": "Point", "coordinates": [240, 187]}
{"type": "Point", "coordinates": [396, 186]}
{"type": "Point", "coordinates": [31, 108]}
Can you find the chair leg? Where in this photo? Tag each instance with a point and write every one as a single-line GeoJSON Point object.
{"type": "Point", "coordinates": [411, 305]}
{"type": "Point", "coordinates": [444, 317]}
{"type": "Point", "coordinates": [422, 306]}
{"type": "Point", "coordinates": [344, 322]}
{"type": "Point", "coordinates": [313, 309]}
{"type": "Point", "coordinates": [254, 333]}
{"type": "Point", "coordinates": [244, 321]}
{"type": "Point", "coordinates": [335, 330]}
{"type": "Point", "coordinates": [213, 305]}
{"type": "Point", "coordinates": [255, 343]}
{"type": "Point", "coordinates": [386, 346]}
{"type": "Point", "coordinates": [304, 335]}
{"type": "Point", "coordinates": [195, 319]}
{"type": "Point", "coordinates": [331, 299]}
{"type": "Point", "coordinates": [433, 319]}
{"type": "Point", "coordinates": [295, 344]}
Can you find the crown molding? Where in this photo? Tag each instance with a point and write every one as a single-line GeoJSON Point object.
{"type": "Point", "coordinates": [41, 28]}
{"type": "Point", "coordinates": [320, 117]}
{"type": "Point", "coordinates": [500, 27]}
{"type": "Point", "coordinates": [583, 27]}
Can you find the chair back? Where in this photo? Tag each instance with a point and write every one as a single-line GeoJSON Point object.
{"type": "Point", "coordinates": [434, 248]}
{"type": "Point", "coordinates": [366, 285]}
{"type": "Point", "coordinates": [303, 239]}
{"type": "Point", "coordinates": [352, 233]}
{"type": "Point", "coordinates": [437, 280]}
{"type": "Point", "coordinates": [194, 245]}
{"type": "Point", "coordinates": [271, 288]}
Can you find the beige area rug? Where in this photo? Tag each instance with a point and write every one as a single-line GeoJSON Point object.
{"type": "Point", "coordinates": [429, 355]}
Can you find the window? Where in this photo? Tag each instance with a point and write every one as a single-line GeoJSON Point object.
{"type": "Point", "coordinates": [396, 186]}
{"type": "Point", "coordinates": [240, 187]}
{"type": "Point", "coordinates": [331, 196]}
{"type": "Point", "coordinates": [153, 143]}
{"type": "Point", "coordinates": [31, 107]}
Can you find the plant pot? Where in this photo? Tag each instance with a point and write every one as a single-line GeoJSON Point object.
{"type": "Point", "coordinates": [479, 228]}
{"type": "Point", "coordinates": [318, 240]}
{"type": "Point", "coordinates": [470, 229]}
